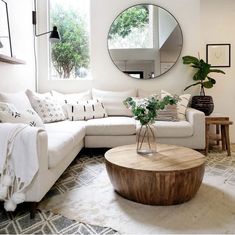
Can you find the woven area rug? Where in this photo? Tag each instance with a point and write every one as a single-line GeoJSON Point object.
{"type": "Point", "coordinates": [85, 194]}
{"type": "Point", "coordinates": [19, 222]}
{"type": "Point", "coordinates": [47, 222]}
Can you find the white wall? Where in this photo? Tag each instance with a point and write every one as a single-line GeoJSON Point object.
{"type": "Point", "coordinates": [19, 77]}
{"type": "Point", "coordinates": [166, 26]}
{"type": "Point", "coordinates": [217, 26]}
{"type": "Point", "coordinates": [104, 72]}
{"type": "Point", "coordinates": [202, 22]}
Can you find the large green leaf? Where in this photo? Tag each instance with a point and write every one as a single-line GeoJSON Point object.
{"type": "Point", "coordinates": [216, 71]}
{"type": "Point", "coordinates": [195, 66]}
{"type": "Point", "coordinates": [195, 84]}
{"type": "Point", "coordinates": [211, 80]}
{"type": "Point", "coordinates": [207, 84]}
{"type": "Point", "coordinates": [202, 70]}
{"type": "Point", "coordinates": [190, 60]}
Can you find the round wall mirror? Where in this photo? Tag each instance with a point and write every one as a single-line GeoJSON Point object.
{"type": "Point", "coordinates": [145, 41]}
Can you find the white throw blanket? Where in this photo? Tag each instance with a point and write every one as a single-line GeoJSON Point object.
{"type": "Point", "coordinates": [18, 162]}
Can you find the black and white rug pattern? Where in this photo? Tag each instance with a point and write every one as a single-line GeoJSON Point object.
{"type": "Point", "coordinates": [213, 207]}
{"type": "Point", "coordinates": [82, 171]}
{"type": "Point", "coordinates": [45, 223]}
{"type": "Point", "coordinates": [219, 164]}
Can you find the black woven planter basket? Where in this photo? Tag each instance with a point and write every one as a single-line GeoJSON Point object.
{"type": "Point", "coordinates": [203, 103]}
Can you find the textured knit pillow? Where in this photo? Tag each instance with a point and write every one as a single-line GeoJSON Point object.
{"type": "Point", "coordinates": [89, 109]}
{"type": "Point", "coordinates": [46, 106]}
{"type": "Point", "coordinates": [9, 113]}
{"type": "Point", "coordinates": [72, 98]}
{"type": "Point", "coordinates": [181, 105]}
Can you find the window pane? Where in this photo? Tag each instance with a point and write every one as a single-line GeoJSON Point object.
{"type": "Point", "coordinates": [70, 57]}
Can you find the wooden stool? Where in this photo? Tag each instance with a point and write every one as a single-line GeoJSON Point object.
{"type": "Point", "coordinates": [222, 132]}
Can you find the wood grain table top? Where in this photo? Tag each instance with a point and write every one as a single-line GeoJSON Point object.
{"type": "Point", "coordinates": [167, 158]}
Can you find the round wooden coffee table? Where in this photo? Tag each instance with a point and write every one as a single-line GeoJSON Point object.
{"type": "Point", "coordinates": [171, 176]}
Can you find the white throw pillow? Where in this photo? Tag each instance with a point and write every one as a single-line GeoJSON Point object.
{"type": "Point", "coordinates": [86, 110]}
{"type": "Point", "coordinates": [9, 113]}
{"type": "Point", "coordinates": [18, 99]}
{"type": "Point", "coordinates": [181, 105]}
{"type": "Point", "coordinates": [46, 106]}
{"type": "Point", "coordinates": [113, 101]}
{"type": "Point", "coordinates": [72, 98]}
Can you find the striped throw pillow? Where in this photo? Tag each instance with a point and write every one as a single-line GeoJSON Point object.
{"type": "Point", "coordinates": [169, 113]}
{"type": "Point", "coordinates": [86, 110]}
{"type": "Point", "coordinates": [181, 105]}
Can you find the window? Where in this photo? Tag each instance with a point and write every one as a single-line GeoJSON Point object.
{"type": "Point", "coordinates": [70, 58]}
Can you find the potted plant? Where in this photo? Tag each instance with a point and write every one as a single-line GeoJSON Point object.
{"type": "Point", "coordinates": [204, 80]}
{"type": "Point", "coordinates": [146, 110]}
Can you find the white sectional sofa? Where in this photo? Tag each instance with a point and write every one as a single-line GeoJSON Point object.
{"type": "Point", "coordinates": [61, 141]}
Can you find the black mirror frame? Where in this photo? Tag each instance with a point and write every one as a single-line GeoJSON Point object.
{"type": "Point", "coordinates": [176, 58]}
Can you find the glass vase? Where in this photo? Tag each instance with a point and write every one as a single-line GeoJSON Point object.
{"type": "Point", "coordinates": [146, 140]}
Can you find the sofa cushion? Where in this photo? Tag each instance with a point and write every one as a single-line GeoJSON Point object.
{"type": "Point", "coordinates": [182, 104]}
{"type": "Point", "coordinates": [111, 126]}
{"type": "Point", "coordinates": [9, 113]}
{"type": "Point", "coordinates": [169, 113]}
{"type": "Point", "coordinates": [18, 99]}
{"type": "Point", "coordinates": [62, 138]}
{"type": "Point", "coordinates": [113, 101]}
{"type": "Point", "coordinates": [173, 129]}
{"type": "Point", "coordinates": [46, 106]}
{"type": "Point", "coordinates": [86, 110]}
{"type": "Point", "coordinates": [71, 98]}
{"type": "Point", "coordinates": [146, 93]}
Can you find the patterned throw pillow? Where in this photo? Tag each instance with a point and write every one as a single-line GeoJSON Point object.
{"type": "Point", "coordinates": [9, 113]}
{"type": "Point", "coordinates": [181, 105]}
{"type": "Point", "coordinates": [71, 98]}
{"type": "Point", "coordinates": [86, 110]}
{"type": "Point", "coordinates": [46, 106]}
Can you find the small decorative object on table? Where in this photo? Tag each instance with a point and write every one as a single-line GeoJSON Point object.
{"type": "Point", "coordinates": [203, 102]}
{"type": "Point", "coordinates": [146, 110]}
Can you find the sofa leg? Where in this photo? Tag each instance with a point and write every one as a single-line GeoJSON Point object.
{"type": "Point", "coordinates": [32, 209]}
{"type": "Point", "coordinates": [90, 152]}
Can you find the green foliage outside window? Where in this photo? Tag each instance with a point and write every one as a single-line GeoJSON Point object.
{"type": "Point", "coordinates": [72, 52]}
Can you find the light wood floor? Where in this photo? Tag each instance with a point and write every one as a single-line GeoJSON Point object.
{"type": "Point", "coordinates": [233, 147]}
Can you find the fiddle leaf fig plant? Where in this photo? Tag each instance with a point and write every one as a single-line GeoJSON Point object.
{"type": "Point", "coordinates": [202, 75]}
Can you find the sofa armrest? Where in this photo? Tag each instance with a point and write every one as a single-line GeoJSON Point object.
{"type": "Point", "coordinates": [197, 119]}
{"type": "Point", "coordinates": [42, 151]}
{"type": "Point", "coordinates": [195, 116]}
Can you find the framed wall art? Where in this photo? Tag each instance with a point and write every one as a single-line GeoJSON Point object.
{"type": "Point", "coordinates": [218, 55]}
{"type": "Point", "coordinates": [5, 35]}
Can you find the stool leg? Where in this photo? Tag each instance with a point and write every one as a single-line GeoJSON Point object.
{"type": "Point", "coordinates": [227, 139]}
{"type": "Point", "coordinates": [217, 133]}
{"type": "Point", "coordinates": [223, 137]}
{"type": "Point", "coordinates": [207, 138]}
